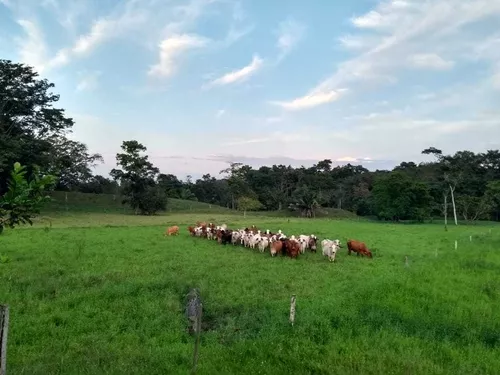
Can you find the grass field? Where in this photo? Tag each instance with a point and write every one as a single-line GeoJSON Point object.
{"type": "Point", "coordinates": [104, 293]}
{"type": "Point", "coordinates": [74, 202]}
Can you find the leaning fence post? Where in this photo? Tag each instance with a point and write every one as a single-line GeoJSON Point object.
{"type": "Point", "coordinates": [194, 312]}
{"type": "Point", "coordinates": [292, 309]}
{"type": "Point", "coordinates": [4, 328]}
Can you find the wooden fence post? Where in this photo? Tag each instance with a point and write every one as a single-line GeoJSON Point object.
{"type": "Point", "coordinates": [292, 309]}
{"type": "Point", "coordinates": [4, 328]}
{"type": "Point", "coordinates": [194, 312]}
{"type": "Point", "coordinates": [456, 244]}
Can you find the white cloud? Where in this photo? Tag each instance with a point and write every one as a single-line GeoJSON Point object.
{"type": "Point", "coordinates": [274, 119]}
{"type": "Point", "coordinates": [398, 29]}
{"type": "Point", "coordinates": [240, 74]}
{"type": "Point", "coordinates": [426, 96]}
{"type": "Point", "coordinates": [290, 34]}
{"type": "Point", "coordinates": [272, 137]}
{"type": "Point", "coordinates": [496, 80]}
{"type": "Point", "coordinates": [430, 61]}
{"type": "Point", "coordinates": [32, 50]}
{"type": "Point", "coordinates": [220, 113]}
{"type": "Point", "coordinates": [311, 100]}
{"type": "Point", "coordinates": [89, 81]}
{"type": "Point", "coordinates": [171, 49]}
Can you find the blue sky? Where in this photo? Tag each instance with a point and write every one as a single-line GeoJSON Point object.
{"type": "Point", "coordinates": [204, 82]}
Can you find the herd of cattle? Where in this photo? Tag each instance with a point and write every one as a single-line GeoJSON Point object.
{"type": "Point", "coordinates": [276, 243]}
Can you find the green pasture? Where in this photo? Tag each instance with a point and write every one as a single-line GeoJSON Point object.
{"type": "Point", "coordinates": [104, 293]}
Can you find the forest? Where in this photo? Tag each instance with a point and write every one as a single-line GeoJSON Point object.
{"type": "Point", "coordinates": [460, 186]}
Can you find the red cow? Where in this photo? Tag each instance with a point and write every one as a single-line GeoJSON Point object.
{"type": "Point", "coordinates": [172, 231]}
{"type": "Point", "coordinates": [359, 248]}
{"type": "Point", "coordinates": [276, 248]}
{"type": "Point", "coordinates": [191, 230]}
{"type": "Point", "coordinates": [292, 248]}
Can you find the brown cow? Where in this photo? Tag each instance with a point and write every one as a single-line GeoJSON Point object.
{"type": "Point", "coordinates": [359, 248]}
{"type": "Point", "coordinates": [276, 247]}
{"type": "Point", "coordinates": [292, 248]}
{"type": "Point", "coordinates": [174, 230]}
{"type": "Point", "coordinates": [191, 230]}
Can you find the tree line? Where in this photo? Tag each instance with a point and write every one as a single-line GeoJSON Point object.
{"type": "Point", "coordinates": [33, 132]}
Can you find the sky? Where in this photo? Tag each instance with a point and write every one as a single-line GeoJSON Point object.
{"type": "Point", "coordinates": [205, 82]}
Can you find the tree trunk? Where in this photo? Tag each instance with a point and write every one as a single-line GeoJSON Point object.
{"type": "Point", "coordinates": [340, 203]}
{"type": "Point", "coordinates": [445, 212]}
{"type": "Point", "coordinates": [452, 190]}
{"type": "Point", "coordinates": [244, 213]}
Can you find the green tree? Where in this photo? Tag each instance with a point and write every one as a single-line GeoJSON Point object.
{"type": "Point", "coordinates": [71, 162]}
{"type": "Point", "coordinates": [28, 119]}
{"type": "Point", "coordinates": [24, 197]}
{"type": "Point", "coordinates": [236, 179]}
{"type": "Point", "coordinates": [493, 195]}
{"type": "Point", "coordinates": [398, 197]}
{"type": "Point", "coordinates": [138, 180]}
{"type": "Point", "coordinates": [304, 200]}
{"type": "Point", "coordinates": [248, 204]}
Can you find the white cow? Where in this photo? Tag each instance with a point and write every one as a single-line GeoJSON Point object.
{"type": "Point", "coordinates": [263, 244]}
{"type": "Point", "coordinates": [330, 248]}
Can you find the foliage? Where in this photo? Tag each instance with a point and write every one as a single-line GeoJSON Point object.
{"type": "Point", "coordinates": [28, 119]}
{"type": "Point", "coordinates": [398, 197]}
{"type": "Point", "coordinates": [249, 204]}
{"type": "Point", "coordinates": [71, 162]}
{"type": "Point", "coordinates": [304, 200]}
{"type": "Point", "coordinates": [24, 197]}
{"type": "Point", "coordinates": [138, 180]}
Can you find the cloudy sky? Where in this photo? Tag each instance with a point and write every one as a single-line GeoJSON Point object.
{"type": "Point", "coordinates": [203, 82]}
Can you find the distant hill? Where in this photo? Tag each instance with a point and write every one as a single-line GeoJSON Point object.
{"type": "Point", "coordinates": [83, 202]}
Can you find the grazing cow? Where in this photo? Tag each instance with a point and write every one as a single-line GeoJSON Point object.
{"type": "Point", "coordinates": [276, 247]}
{"type": "Point", "coordinates": [235, 236]}
{"type": "Point", "coordinates": [226, 236]}
{"type": "Point", "coordinates": [191, 230]}
{"type": "Point", "coordinates": [330, 249]}
{"type": "Point", "coordinates": [292, 248]}
{"type": "Point", "coordinates": [359, 248]}
{"type": "Point", "coordinates": [263, 244]}
{"type": "Point", "coordinates": [174, 230]}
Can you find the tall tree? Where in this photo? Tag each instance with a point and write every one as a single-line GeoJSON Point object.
{"type": "Point", "coordinates": [71, 162]}
{"type": "Point", "coordinates": [397, 197]}
{"type": "Point", "coordinates": [28, 119]}
{"type": "Point", "coordinates": [138, 178]}
{"type": "Point", "coordinates": [450, 176]}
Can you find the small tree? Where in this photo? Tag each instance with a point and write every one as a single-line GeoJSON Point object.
{"type": "Point", "coordinates": [24, 198]}
{"type": "Point", "coordinates": [138, 180]}
{"type": "Point", "coordinates": [304, 200]}
{"type": "Point", "coordinates": [450, 178]}
{"type": "Point", "coordinates": [248, 204]}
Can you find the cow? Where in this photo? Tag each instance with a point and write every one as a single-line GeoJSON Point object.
{"type": "Point", "coordinates": [330, 248]}
{"type": "Point", "coordinates": [359, 248]}
{"type": "Point", "coordinates": [307, 242]}
{"type": "Point", "coordinates": [292, 248]}
{"type": "Point", "coordinates": [263, 244]}
{"type": "Point", "coordinates": [226, 236]}
{"type": "Point", "coordinates": [276, 247]}
{"type": "Point", "coordinates": [174, 230]}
